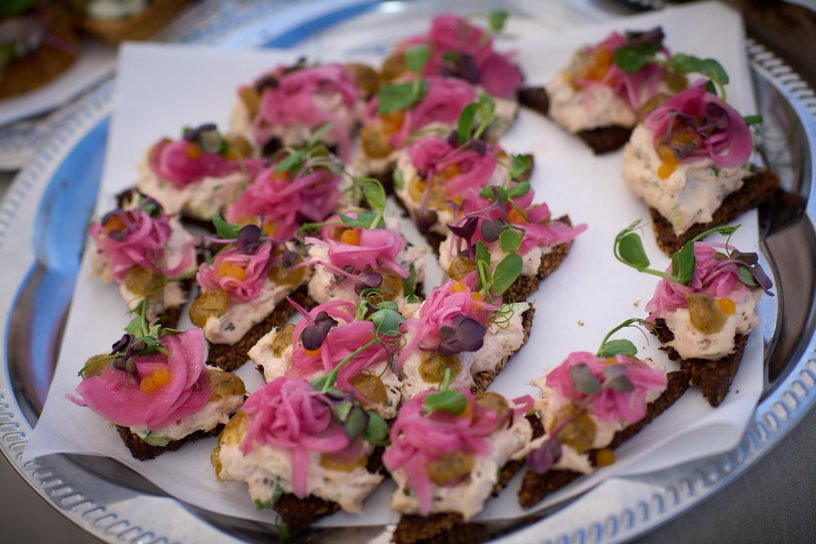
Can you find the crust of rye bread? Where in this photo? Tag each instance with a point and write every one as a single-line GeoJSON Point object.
{"type": "Point", "coordinates": [600, 139]}
{"type": "Point", "coordinates": [299, 514]}
{"type": "Point", "coordinates": [143, 451]}
{"type": "Point", "coordinates": [525, 286]}
{"type": "Point", "coordinates": [535, 487]}
{"type": "Point", "coordinates": [483, 379]}
{"type": "Point", "coordinates": [759, 187]}
{"type": "Point", "coordinates": [712, 377]}
{"type": "Point", "coordinates": [230, 356]}
{"type": "Point", "coordinates": [450, 527]}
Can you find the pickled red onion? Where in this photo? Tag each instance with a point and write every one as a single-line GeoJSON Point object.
{"type": "Point", "coordinates": [289, 413]}
{"type": "Point", "coordinates": [255, 266]}
{"type": "Point", "coordinates": [609, 404]}
{"type": "Point", "coordinates": [117, 397]}
{"type": "Point", "coordinates": [432, 155]}
{"type": "Point", "coordinates": [712, 276]}
{"type": "Point", "coordinates": [170, 161]}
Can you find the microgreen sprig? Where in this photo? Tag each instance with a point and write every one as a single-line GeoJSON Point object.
{"type": "Point", "coordinates": [450, 401]}
{"type": "Point", "coordinates": [610, 348]}
{"type": "Point", "coordinates": [400, 96]}
{"type": "Point", "coordinates": [296, 160]}
{"type": "Point", "coordinates": [485, 109]}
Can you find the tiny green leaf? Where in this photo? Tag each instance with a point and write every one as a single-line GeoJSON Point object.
{"type": "Point", "coordinates": [507, 271]}
{"type": "Point", "coordinates": [583, 379]}
{"type": "Point", "coordinates": [377, 430]}
{"type": "Point", "coordinates": [630, 248]}
{"type": "Point", "coordinates": [387, 321]}
{"type": "Point", "coordinates": [228, 231]}
{"type": "Point", "coordinates": [617, 347]}
{"type": "Point", "coordinates": [398, 179]}
{"type": "Point", "coordinates": [683, 263]}
{"type": "Point", "coordinates": [408, 284]}
{"type": "Point", "coordinates": [343, 409]}
{"type": "Point", "coordinates": [510, 240]}
{"type": "Point", "coordinates": [497, 19]}
{"type": "Point", "coordinates": [519, 189]}
{"type": "Point", "coordinates": [465, 125]}
{"type": "Point", "coordinates": [374, 194]}
{"type": "Point", "coordinates": [482, 254]}
{"type": "Point", "coordinates": [450, 401]}
{"type": "Point", "coordinates": [416, 58]}
{"type": "Point", "coordinates": [319, 134]}
{"type": "Point", "coordinates": [291, 161]}
{"type": "Point", "coordinates": [746, 277]}
{"type": "Point", "coordinates": [486, 107]}
{"type": "Point", "coordinates": [753, 120]}
{"type": "Point", "coordinates": [520, 165]}
{"type": "Point", "coordinates": [616, 377]}
{"type": "Point", "coordinates": [357, 422]}
{"type": "Point", "coordinates": [400, 96]}
{"type": "Point", "coordinates": [631, 60]}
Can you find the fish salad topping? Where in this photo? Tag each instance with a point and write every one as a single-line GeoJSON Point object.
{"type": "Point", "coordinates": [447, 448]}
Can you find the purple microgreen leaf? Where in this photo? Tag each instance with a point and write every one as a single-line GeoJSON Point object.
{"type": "Point", "coordinates": [616, 377]}
{"type": "Point", "coordinates": [479, 147]}
{"type": "Point", "coordinates": [312, 336]}
{"type": "Point", "coordinates": [121, 344]}
{"type": "Point", "coordinates": [583, 380]}
{"type": "Point", "coordinates": [468, 335]}
{"type": "Point", "coordinates": [426, 219]}
{"type": "Point", "coordinates": [491, 229]}
{"type": "Point", "coordinates": [542, 459]}
{"type": "Point", "coordinates": [368, 280]}
{"type": "Point", "coordinates": [249, 239]}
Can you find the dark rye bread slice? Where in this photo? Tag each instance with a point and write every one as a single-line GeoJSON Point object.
{"type": "Point", "coordinates": [759, 187]}
{"type": "Point", "coordinates": [483, 379]}
{"type": "Point", "coordinates": [525, 286]}
{"type": "Point", "coordinates": [535, 487]}
{"type": "Point", "coordinates": [600, 139]}
{"type": "Point", "coordinates": [299, 514]}
{"type": "Point", "coordinates": [230, 356]}
{"type": "Point", "coordinates": [450, 527]}
{"type": "Point", "coordinates": [143, 451]}
{"type": "Point", "coordinates": [712, 377]}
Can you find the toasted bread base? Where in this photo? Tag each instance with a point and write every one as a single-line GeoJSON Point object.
{"type": "Point", "coordinates": [141, 26]}
{"type": "Point", "coordinates": [143, 451]}
{"type": "Point", "coordinates": [482, 380]}
{"type": "Point", "coordinates": [450, 527]}
{"type": "Point", "coordinates": [535, 487]}
{"type": "Point", "coordinates": [714, 378]}
{"type": "Point", "coordinates": [230, 356]}
{"type": "Point", "coordinates": [535, 98]}
{"type": "Point", "coordinates": [525, 286]}
{"type": "Point", "coordinates": [759, 187]}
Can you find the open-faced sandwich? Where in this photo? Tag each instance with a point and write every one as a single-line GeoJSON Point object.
{"type": "Point", "coordinates": [704, 306]}
{"type": "Point", "coordinates": [466, 330]}
{"type": "Point", "coordinates": [361, 340]}
{"type": "Point", "coordinates": [155, 388]}
{"type": "Point", "coordinates": [362, 253]}
{"type": "Point", "coordinates": [589, 405]}
{"type": "Point", "coordinates": [505, 219]}
{"type": "Point", "coordinates": [307, 452]}
{"type": "Point", "coordinates": [689, 161]}
{"type": "Point", "coordinates": [148, 254]}
{"type": "Point", "coordinates": [198, 174]}
{"type": "Point", "coordinates": [116, 21]}
{"type": "Point", "coordinates": [301, 185]}
{"type": "Point", "coordinates": [434, 172]}
{"type": "Point", "coordinates": [37, 45]}
{"type": "Point", "coordinates": [450, 451]}
{"type": "Point", "coordinates": [287, 106]}
{"type": "Point", "coordinates": [243, 291]}
{"type": "Point", "coordinates": [417, 105]}
{"type": "Point", "coordinates": [599, 95]}
{"type": "Point", "coordinates": [458, 48]}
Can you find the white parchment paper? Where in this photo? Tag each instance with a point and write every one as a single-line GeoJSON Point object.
{"type": "Point", "coordinates": [162, 88]}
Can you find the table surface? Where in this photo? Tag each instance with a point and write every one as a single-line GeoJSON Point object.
{"type": "Point", "coordinates": [774, 501]}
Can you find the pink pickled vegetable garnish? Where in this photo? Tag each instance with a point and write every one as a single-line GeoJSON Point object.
{"type": "Point", "coordinates": [439, 309]}
{"type": "Point", "coordinates": [418, 439]}
{"type": "Point", "coordinates": [713, 276]}
{"type": "Point", "coordinates": [118, 397]}
{"type": "Point", "coordinates": [171, 161]}
{"type": "Point", "coordinates": [609, 404]}
{"type": "Point", "coordinates": [540, 230]}
{"type": "Point", "coordinates": [432, 155]}
{"type": "Point", "coordinates": [695, 123]}
{"type": "Point", "coordinates": [444, 102]}
{"type": "Point", "coordinates": [309, 97]}
{"type": "Point", "coordinates": [342, 339]}
{"type": "Point", "coordinates": [221, 273]}
{"type": "Point", "coordinates": [634, 88]}
{"type": "Point", "coordinates": [465, 51]}
{"type": "Point", "coordinates": [141, 243]}
{"type": "Point", "coordinates": [289, 413]}
{"type": "Point", "coordinates": [285, 202]}
{"type": "Point", "coordinates": [376, 249]}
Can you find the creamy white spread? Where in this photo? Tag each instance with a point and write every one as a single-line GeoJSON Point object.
{"type": "Point", "coordinates": [691, 194]}
{"type": "Point", "coordinates": [500, 342]}
{"type": "Point", "coordinates": [200, 199]}
{"type": "Point", "coordinates": [408, 172]}
{"type": "Point", "coordinates": [325, 285]}
{"type": "Point", "coordinates": [114, 9]}
{"type": "Point", "coordinates": [691, 343]}
{"type": "Point", "coordinates": [583, 109]}
{"type": "Point", "coordinates": [267, 467]}
{"type": "Point", "coordinates": [214, 413]}
{"type": "Point", "coordinates": [550, 404]}
{"type": "Point", "coordinates": [263, 355]}
{"type": "Point", "coordinates": [531, 261]}
{"type": "Point", "coordinates": [468, 497]}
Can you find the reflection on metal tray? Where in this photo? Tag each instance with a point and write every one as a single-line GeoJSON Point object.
{"type": "Point", "coordinates": [111, 502]}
